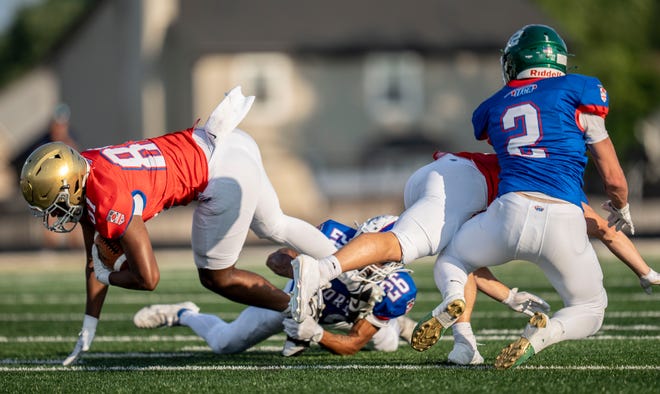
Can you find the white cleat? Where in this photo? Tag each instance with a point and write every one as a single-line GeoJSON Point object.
{"type": "Point", "coordinates": [648, 280]}
{"type": "Point", "coordinates": [307, 278]}
{"type": "Point", "coordinates": [160, 315]}
{"type": "Point", "coordinates": [464, 354]}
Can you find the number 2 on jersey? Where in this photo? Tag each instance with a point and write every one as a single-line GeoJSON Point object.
{"type": "Point", "coordinates": [525, 118]}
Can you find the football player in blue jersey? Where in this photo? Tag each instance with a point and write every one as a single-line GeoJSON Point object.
{"type": "Point", "coordinates": [540, 124]}
{"type": "Point", "coordinates": [371, 304]}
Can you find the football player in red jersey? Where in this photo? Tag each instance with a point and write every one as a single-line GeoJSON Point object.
{"type": "Point", "coordinates": [115, 189]}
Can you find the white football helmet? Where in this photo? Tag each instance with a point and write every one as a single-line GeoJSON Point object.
{"type": "Point", "coordinates": [368, 277]}
{"type": "Point", "coordinates": [377, 224]}
{"type": "Point", "coordinates": [53, 182]}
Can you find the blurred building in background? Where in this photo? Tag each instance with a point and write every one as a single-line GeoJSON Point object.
{"type": "Point", "coordinates": [351, 96]}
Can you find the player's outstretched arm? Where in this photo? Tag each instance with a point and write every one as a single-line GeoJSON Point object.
{"type": "Point", "coordinates": [95, 296]}
{"type": "Point", "coordinates": [621, 246]}
{"type": "Point", "coordinates": [519, 301]}
{"type": "Point", "coordinates": [344, 344]}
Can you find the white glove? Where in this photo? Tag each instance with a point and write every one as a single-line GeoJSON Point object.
{"type": "Point", "coordinates": [308, 330]}
{"type": "Point", "coordinates": [100, 270]}
{"type": "Point", "coordinates": [525, 302]}
{"type": "Point", "coordinates": [85, 338]}
{"type": "Point", "coordinates": [619, 218]}
{"type": "Point", "coordinates": [648, 280]}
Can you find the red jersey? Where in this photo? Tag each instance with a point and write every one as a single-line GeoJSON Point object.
{"type": "Point", "coordinates": [487, 165]}
{"type": "Point", "coordinates": [163, 172]}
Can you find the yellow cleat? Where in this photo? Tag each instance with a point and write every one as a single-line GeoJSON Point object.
{"type": "Point", "coordinates": [515, 354]}
{"type": "Point", "coordinates": [521, 349]}
{"type": "Point", "coordinates": [430, 329]}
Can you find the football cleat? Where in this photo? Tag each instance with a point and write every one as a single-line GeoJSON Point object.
{"type": "Point", "coordinates": [432, 327]}
{"type": "Point", "coordinates": [521, 350]}
{"type": "Point", "coordinates": [160, 315]}
{"type": "Point", "coordinates": [294, 347]}
{"type": "Point", "coordinates": [515, 354]}
{"type": "Point", "coordinates": [464, 354]}
{"type": "Point", "coordinates": [307, 278]}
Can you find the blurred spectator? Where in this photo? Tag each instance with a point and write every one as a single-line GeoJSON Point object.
{"type": "Point", "coordinates": [58, 129]}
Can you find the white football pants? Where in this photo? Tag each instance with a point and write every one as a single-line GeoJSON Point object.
{"type": "Point", "coordinates": [439, 198]}
{"type": "Point", "coordinates": [239, 197]}
{"type": "Point", "coordinates": [551, 235]}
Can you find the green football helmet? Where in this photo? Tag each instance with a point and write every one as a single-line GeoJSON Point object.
{"type": "Point", "coordinates": [535, 51]}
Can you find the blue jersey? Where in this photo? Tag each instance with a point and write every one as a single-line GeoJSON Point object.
{"type": "Point", "coordinates": [534, 129]}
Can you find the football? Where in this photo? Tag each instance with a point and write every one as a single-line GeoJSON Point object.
{"type": "Point", "coordinates": [110, 251]}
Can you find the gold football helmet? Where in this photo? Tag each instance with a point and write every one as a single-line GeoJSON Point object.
{"type": "Point", "coordinates": [53, 182]}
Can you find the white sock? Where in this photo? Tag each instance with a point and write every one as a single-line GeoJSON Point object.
{"type": "Point", "coordinates": [463, 333]}
{"type": "Point", "coordinates": [329, 269]}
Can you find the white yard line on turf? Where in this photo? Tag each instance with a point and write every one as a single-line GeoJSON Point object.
{"type": "Point", "coordinates": [412, 367]}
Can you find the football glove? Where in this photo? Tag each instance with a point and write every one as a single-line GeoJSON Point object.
{"type": "Point", "coordinates": [648, 280]}
{"type": "Point", "coordinates": [100, 270]}
{"type": "Point", "coordinates": [525, 302]}
{"type": "Point", "coordinates": [307, 330]}
{"type": "Point", "coordinates": [620, 219]}
{"type": "Point", "coordinates": [85, 338]}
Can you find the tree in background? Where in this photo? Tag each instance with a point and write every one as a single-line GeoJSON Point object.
{"type": "Point", "coordinates": [618, 42]}
{"type": "Point", "coordinates": [35, 34]}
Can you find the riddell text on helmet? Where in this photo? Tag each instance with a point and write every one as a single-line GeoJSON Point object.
{"type": "Point", "coordinates": [540, 73]}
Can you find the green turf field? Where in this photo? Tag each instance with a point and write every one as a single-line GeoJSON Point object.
{"type": "Point", "coordinates": [41, 309]}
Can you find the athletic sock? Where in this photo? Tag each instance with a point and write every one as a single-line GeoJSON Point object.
{"type": "Point", "coordinates": [463, 333]}
{"type": "Point", "coordinates": [329, 269]}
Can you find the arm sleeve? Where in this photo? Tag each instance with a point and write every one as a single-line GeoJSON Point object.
{"type": "Point", "coordinates": [594, 127]}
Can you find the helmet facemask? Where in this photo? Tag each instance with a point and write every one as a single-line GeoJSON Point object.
{"type": "Point", "coordinates": [60, 216]}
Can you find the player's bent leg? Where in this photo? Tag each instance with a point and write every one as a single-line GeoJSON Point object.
{"type": "Point", "coordinates": [306, 277]}
{"type": "Point", "coordinates": [430, 329]}
{"type": "Point", "coordinates": [244, 287]}
{"type": "Point", "coordinates": [160, 315]}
